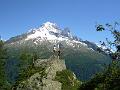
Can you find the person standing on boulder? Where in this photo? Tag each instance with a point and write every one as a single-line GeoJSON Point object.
{"type": "Point", "coordinates": [58, 51]}
{"type": "Point", "coordinates": [54, 49]}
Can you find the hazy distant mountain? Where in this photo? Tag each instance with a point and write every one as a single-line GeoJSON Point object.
{"type": "Point", "coordinates": [81, 56]}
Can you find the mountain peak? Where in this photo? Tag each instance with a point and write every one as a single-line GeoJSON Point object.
{"type": "Point", "coordinates": [51, 27]}
{"type": "Point", "coordinates": [49, 24]}
{"type": "Point", "coordinates": [46, 31]}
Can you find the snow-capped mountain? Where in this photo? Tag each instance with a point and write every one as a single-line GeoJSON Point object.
{"type": "Point", "coordinates": [49, 32]}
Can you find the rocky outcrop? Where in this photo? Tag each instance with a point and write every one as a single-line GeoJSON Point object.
{"type": "Point", "coordinates": [44, 80]}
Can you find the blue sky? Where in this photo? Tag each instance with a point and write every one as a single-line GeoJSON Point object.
{"type": "Point", "coordinates": [18, 16]}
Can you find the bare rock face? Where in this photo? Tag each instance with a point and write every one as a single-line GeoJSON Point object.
{"type": "Point", "coordinates": [46, 79]}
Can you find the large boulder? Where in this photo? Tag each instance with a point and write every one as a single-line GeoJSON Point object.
{"type": "Point", "coordinates": [46, 80]}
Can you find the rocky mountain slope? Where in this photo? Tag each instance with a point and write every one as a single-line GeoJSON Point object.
{"type": "Point", "coordinates": [48, 80]}
{"type": "Point", "coordinates": [80, 56]}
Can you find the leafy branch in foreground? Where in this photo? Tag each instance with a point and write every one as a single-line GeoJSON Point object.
{"type": "Point", "coordinates": [111, 45]}
{"type": "Point", "coordinates": [110, 77]}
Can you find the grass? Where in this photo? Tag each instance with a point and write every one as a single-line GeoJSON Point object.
{"type": "Point", "coordinates": [66, 77]}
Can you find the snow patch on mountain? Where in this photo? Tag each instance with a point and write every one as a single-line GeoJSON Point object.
{"type": "Point", "coordinates": [45, 32]}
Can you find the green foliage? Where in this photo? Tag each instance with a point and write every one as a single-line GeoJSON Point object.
{"type": "Point", "coordinates": [100, 28]}
{"type": "Point", "coordinates": [107, 80]}
{"type": "Point", "coordinates": [26, 73]}
{"type": "Point", "coordinates": [67, 79]}
{"type": "Point", "coordinates": [114, 29]}
{"type": "Point", "coordinates": [85, 63]}
{"type": "Point", "coordinates": [26, 58]}
{"type": "Point", "coordinates": [35, 56]}
{"type": "Point", "coordinates": [4, 85]}
{"type": "Point", "coordinates": [2, 50]}
{"type": "Point", "coordinates": [112, 78]}
{"type": "Point", "coordinates": [93, 83]}
{"type": "Point", "coordinates": [26, 61]}
{"type": "Point", "coordinates": [27, 68]}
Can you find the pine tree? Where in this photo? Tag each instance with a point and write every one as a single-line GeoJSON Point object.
{"type": "Point", "coordinates": [3, 79]}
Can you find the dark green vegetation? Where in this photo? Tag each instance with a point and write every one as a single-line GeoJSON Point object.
{"type": "Point", "coordinates": [4, 85]}
{"type": "Point", "coordinates": [106, 80]}
{"type": "Point", "coordinates": [26, 67]}
{"type": "Point", "coordinates": [26, 73]}
{"type": "Point", "coordinates": [69, 82]}
{"type": "Point", "coordinates": [85, 63]}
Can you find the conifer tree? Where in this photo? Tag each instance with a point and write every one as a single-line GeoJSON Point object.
{"type": "Point", "coordinates": [4, 85]}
